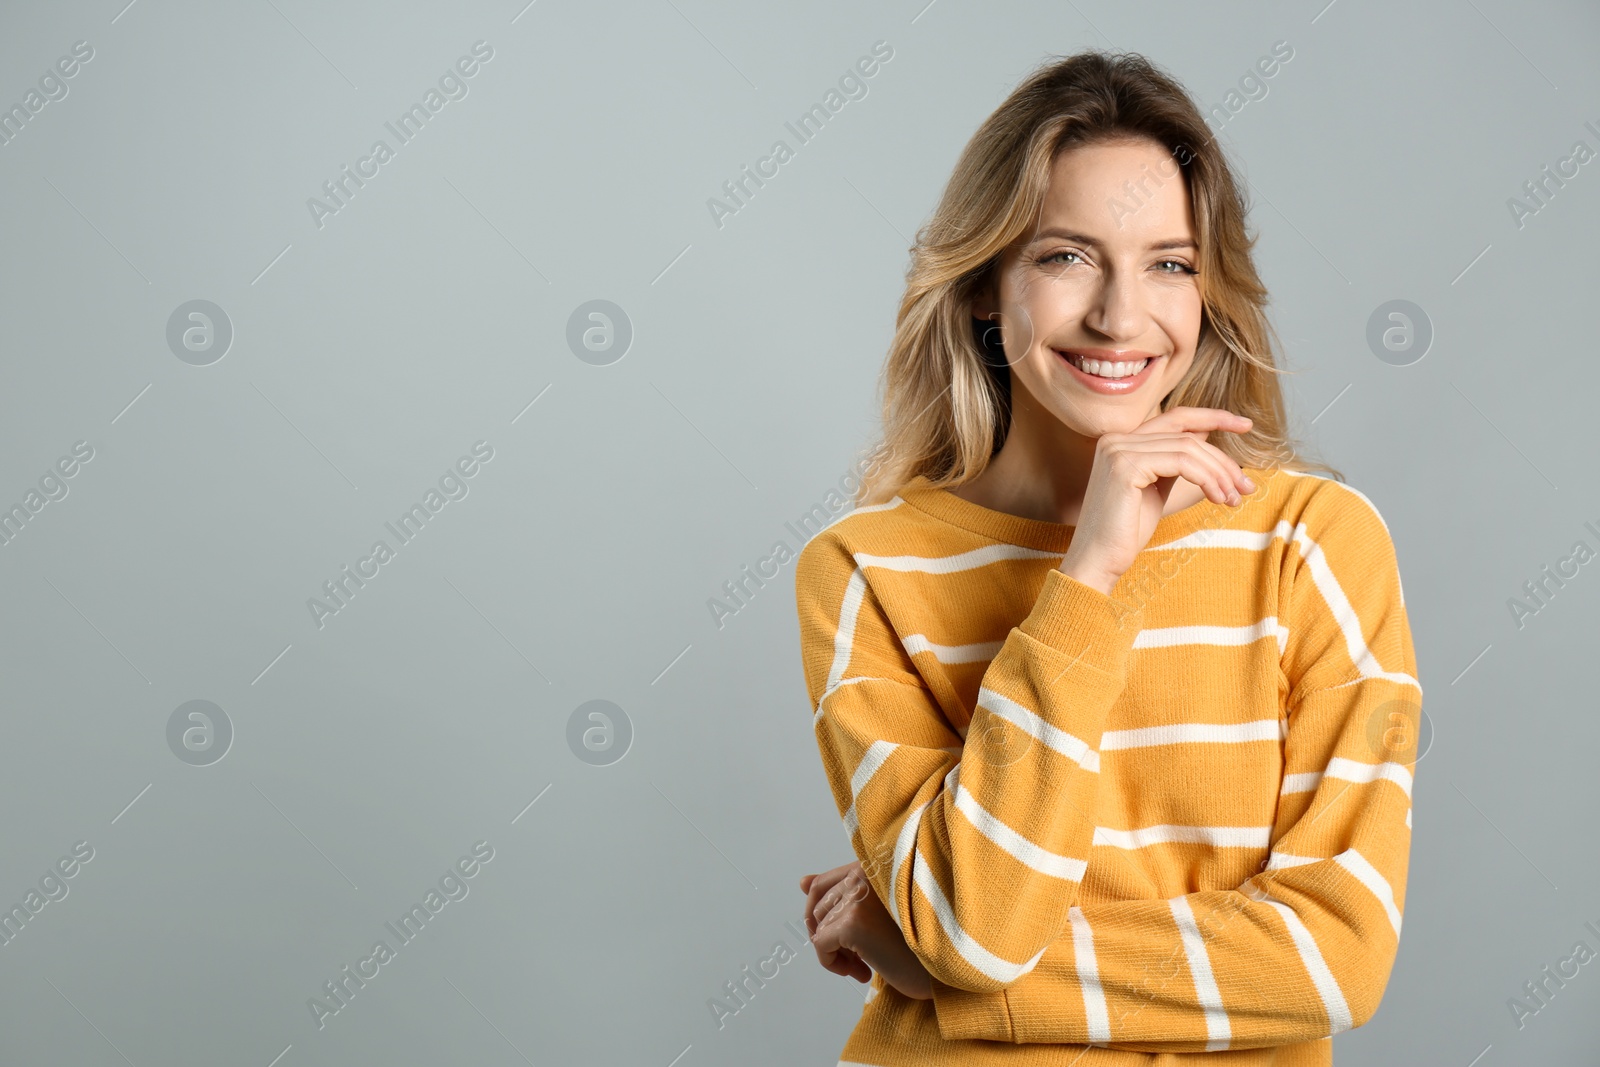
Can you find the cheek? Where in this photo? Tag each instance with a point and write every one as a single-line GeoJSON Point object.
{"type": "Point", "coordinates": [1179, 315]}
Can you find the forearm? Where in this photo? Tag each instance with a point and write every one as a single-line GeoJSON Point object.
{"type": "Point", "coordinates": [975, 867]}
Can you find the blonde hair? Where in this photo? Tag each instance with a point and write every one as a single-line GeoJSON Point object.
{"type": "Point", "coordinates": [946, 397]}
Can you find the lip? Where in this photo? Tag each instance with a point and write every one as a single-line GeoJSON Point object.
{"type": "Point", "coordinates": [1107, 386]}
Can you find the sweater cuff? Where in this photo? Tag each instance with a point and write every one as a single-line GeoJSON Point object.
{"type": "Point", "coordinates": [964, 1015]}
{"type": "Point", "coordinates": [1083, 623]}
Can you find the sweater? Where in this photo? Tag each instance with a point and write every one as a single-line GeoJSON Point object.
{"type": "Point", "coordinates": [1166, 825]}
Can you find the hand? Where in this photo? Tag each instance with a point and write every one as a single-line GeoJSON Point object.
{"type": "Point", "coordinates": [1133, 474]}
{"type": "Point", "coordinates": [854, 933]}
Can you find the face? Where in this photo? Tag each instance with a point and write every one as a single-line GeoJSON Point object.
{"type": "Point", "coordinates": [1107, 276]}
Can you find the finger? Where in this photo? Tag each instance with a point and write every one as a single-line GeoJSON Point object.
{"type": "Point", "coordinates": [1227, 475]}
{"type": "Point", "coordinates": [1231, 474]}
{"type": "Point", "coordinates": [1192, 418]}
{"type": "Point", "coordinates": [1234, 471]}
{"type": "Point", "coordinates": [831, 953]}
{"type": "Point", "coordinates": [1184, 462]}
{"type": "Point", "coordinates": [820, 884]}
{"type": "Point", "coordinates": [826, 904]}
{"type": "Point", "coordinates": [1224, 483]}
{"type": "Point", "coordinates": [827, 948]}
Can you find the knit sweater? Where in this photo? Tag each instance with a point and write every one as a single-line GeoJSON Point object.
{"type": "Point", "coordinates": [1120, 829]}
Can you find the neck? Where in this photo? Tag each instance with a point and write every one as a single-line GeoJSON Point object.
{"type": "Point", "coordinates": [1042, 470]}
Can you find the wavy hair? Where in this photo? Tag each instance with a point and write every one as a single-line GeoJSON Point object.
{"type": "Point", "coordinates": [946, 386]}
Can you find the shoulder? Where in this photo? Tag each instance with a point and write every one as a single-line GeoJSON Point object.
{"type": "Point", "coordinates": [1336, 533]}
{"type": "Point", "coordinates": [872, 530]}
{"type": "Point", "coordinates": [1323, 507]}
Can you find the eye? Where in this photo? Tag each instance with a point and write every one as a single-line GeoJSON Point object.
{"type": "Point", "coordinates": [1182, 267]}
{"type": "Point", "coordinates": [1053, 256]}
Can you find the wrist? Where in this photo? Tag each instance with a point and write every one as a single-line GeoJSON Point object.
{"type": "Point", "coordinates": [1091, 576]}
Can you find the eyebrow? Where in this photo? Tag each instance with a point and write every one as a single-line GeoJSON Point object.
{"type": "Point", "coordinates": [1083, 239]}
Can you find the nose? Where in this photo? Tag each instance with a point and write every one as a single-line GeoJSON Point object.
{"type": "Point", "coordinates": [1118, 309]}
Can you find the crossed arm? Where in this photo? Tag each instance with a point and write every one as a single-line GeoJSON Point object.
{"type": "Point", "coordinates": [981, 879]}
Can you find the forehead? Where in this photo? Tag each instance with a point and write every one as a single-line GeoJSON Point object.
{"type": "Point", "coordinates": [1117, 191]}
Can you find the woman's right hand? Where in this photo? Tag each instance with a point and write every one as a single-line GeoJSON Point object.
{"type": "Point", "coordinates": [1133, 474]}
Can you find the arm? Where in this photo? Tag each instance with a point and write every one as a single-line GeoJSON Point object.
{"type": "Point", "coordinates": [976, 847]}
{"type": "Point", "coordinates": [1303, 949]}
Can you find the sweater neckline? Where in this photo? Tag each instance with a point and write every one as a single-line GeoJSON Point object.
{"type": "Point", "coordinates": [1056, 536]}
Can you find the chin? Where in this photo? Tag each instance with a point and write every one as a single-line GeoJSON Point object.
{"type": "Point", "coordinates": [1107, 419]}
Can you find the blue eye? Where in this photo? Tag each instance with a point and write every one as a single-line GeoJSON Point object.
{"type": "Point", "coordinates": [1183, 268]}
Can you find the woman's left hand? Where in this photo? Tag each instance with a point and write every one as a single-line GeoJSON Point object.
{"type": "Point", "coordinates": [852, 931]}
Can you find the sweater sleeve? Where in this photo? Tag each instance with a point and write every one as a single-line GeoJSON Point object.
{"type": "Point", "coordinates": [977, 847]}
{"type": "Point", "coordinates": [1304, 948]}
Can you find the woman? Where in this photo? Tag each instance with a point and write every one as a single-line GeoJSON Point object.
{"type": "Point", "coordinates": [1118, 706]}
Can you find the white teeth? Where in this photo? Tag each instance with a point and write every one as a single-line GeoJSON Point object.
{"type": "Point", "coordinates": [1106, 369]}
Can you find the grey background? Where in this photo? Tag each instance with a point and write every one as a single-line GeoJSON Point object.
{"type": "Point", "coordinates": [370, 353]}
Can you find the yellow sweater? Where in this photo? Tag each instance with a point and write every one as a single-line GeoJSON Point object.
{"type": "Point", "coordinates": [1171, 820]}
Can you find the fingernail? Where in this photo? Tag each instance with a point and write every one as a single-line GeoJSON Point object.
{"type": "Point", "coordinates": [1249, 483]}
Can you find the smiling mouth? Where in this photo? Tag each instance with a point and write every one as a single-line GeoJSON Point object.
{"type": "Point", "coordinates": [1107, 368]}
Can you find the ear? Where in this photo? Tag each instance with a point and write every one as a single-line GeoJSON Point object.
{"type": "Point", "coordinates": [984, 305]}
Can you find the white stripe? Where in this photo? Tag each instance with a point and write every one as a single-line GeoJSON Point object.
{"type": "Point", "coordinates": [1346, 488]}
{"type": "Point", "coordinates": [816, 718]}
{"type": "Point", "coordinates": [871, 760]}
{"type": "Point", "coordinates": [1094, 998]}
{"type": "Point", "coordinates": [1339, 1018]}
{"type": "Point", "coordinates": [1350, 770]}
{"type": "Point", "coordinates": [981, 959]}
{"type": "Point", "coordinates": [1301, 783]}
{"type": "Point", "coordinates": [1349, 622]}
{"type": "Point", "coordinates": [973, 653]}
{"type": "Point", "coordinates": [1368, 875]}
{"type": "Point", "coordinates": [1069, 746]}
{"type": "Point", "coordinates": [961, 561]}
{"type": "Point", "coordinates": [1215, 836]}
{"type": "Point", "coordinates": [1279, 860]}
{"type": "Point", "coordinates": [1408, 818]}
{"type": "Point", "coordinates": [1184, 732]}
{"type": "Point", "coordinates": [904, 842]}
{"type": "Point", "coordinates": [1321, 576]}
{"type": "Point", "coordinates": [865, 509]}
{"type": "Point", "coordinates": [855, 592]}
{"type": "Point", "coordinates": [1171, 636]}
{"type": "Point", "coordinates": [1205, 983]}
{"type": "Point", "coordinates": [1025, 851]}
